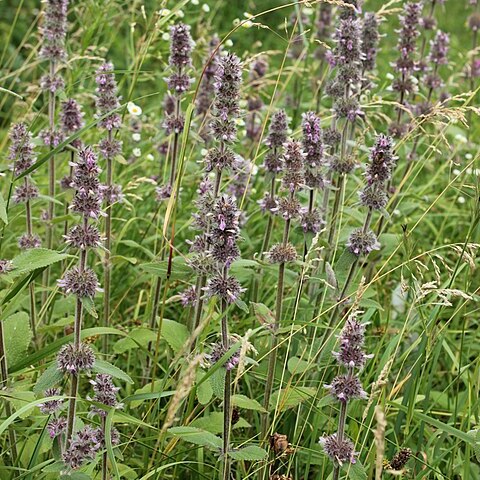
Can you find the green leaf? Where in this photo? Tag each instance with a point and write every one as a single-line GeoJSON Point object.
{"type": "Point", "coordinates": [108, 442]}
{"type": "Point", "coordinates": [246, 403]}
{"type": "Point", "coordinates": [180, 270]}
{"type": "Point", "coordinates": [291, 397]}
{"type": "Point", "coordinates": [19, 398]}
{"type": "Point", "coordinates": [213, 423]}
{"type": "Point", "coordinates": [89, 306]}
{"type": "Point", "coordinates": [138, 337]}
{"type": "Point", "coordinates": [264, 314]}
{"type": "Point", "coordinates": [50, 377]}
{"type": "Point", "coordinates": [197, 436]}
{"type": "Point", "coordinates": [248, 453]}
{"type": "Point", "coordinates": [217, 380]}
{"type": "Point", "coordinates": [3, 210]}
{"type": "Point", "coordinates": [204, 390]}
{"type": "Point", "coordinates": [176, 334]}
{"type": "Point", "coordinates": [101, 366]}
{"type": "Point", "coordinates": [355, 471]}
{"type": "Point", "coordinates": [18, 335]}
{"type": "Point", "coordinates": [297, 365]}
{"type": "Point", "coordinates": [35, 258]}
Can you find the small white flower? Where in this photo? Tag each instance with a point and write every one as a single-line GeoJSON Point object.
{"type": "Point", "coordinates": [163, 12]}
{"type": "Point", "coordinates": [179, 14]}
{"type": "Point", "coordinates": [136, 137]}
{"type": "Point", "coordinates": [308, 11]}
{"type": "Point", "coordinates": [397, 212]}
{"type": "Point", "coordinates": [461, 138]}
{"type": "Point", "coordinates": [414, 80]}
{"type": "Point", "coordinates": [228, 43]}
{"type": "Point", "coordinates": [456, 172]}
{"type": "Point", "coordinates": [461, 200]}
{"type": "Point", "coordinates": [247, 15]}
{"type": "Point", "coordinates": [194, 2]}
{"type": "Point", "coordinates": [247, 24]}
{"type": "Point", "coordinates": [204, 151]}
{"type": "Point", "coordinates": [390, 76]}
{"type": "Point", "coordinates": [468, 156]}
{"type": "Point", "coordinates": [166, 36]}
{"type": "Point", "coordinates": [150, 157]}
{"type": "Point", "coordinates": [469, 171]}
{"type": "Point", "coordinates": [254, 170]}
{"type": "Point", "coordinates": [205, 7]}
{"type": "Point", "coordinates": [136, 152]}
{"type": "Point", "coordinates": [477, 172]}
{"type": "Point", "coordinates": [134, 109]}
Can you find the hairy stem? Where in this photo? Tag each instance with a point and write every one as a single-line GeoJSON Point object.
{"type": "Point", "coordinates": [51, 185]}
{"type": "Point", "coordinates": [77, 338]}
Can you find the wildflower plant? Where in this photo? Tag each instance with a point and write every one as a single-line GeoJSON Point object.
{"type": "Point", "coordinates": [344, 389]}
{"type": "Point", "coordinates": [22, 156]}
{"type": "Point", "coordinates": [81, 281]}
{"type": "Point", "coordinates": [54, 31]}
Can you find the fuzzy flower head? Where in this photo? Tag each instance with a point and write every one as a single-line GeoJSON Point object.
{"type": "Point", "coordinates": [107, 98]}
{"type": "Point", "coordinates": [407, 37]}
{"type": "Point", "coordinates": [181, 45]}
{"type": "Point", "coordinates": [312, 140]}
{"type": "Point", "coordinates": [82, 447]}
{"type": "Point", "coordinates": [86, 171]}
{"type": "Point", "coordinates": [348, 42]}
{"type": "Point", "coordinates": [311, 221]}
{"type": "Point", "coordinates": [382, 160]}
{"type": "Point", "coordinates": [346, 387]}
{"type": "Point", "coordinates": [71, 116]}
{"type": "Point", "coordinates": [54, 30]}
{"type": "Point", "coordinates": [28, 241]}
{"type": "Point", "coordinates": [218, 351]}
{"type": "Point", "coordinates": [57, 426]}
{"type": "Point", "coordinates": [362, 243]}
{"type": "Point", "coordinates": [227, 288]}
{"type": "Point", "coordinates": [370, 39]}
{"type": "Point", "coordinates": [73, 360]}
{"type": "Point", "coordinates": [105, 393]}
{"type": "Point", "coordinates": [439, 48]}
{"type": "Point", "coordinates": [352, 338]}
{"type": "Point", "coordinates": [25, 193]}
{"type": "Point", "coordinates": [22, 148]}
{"type": "Point", "coordinates": [278, 130]}
{"type": "Point", "coordinates": [339, 450]}
{"type": "Point", "coordinates": [82, 283]}
{"type": "Point", "coordinates": [189, 296]}
{"type": "Point", "coordinates": [83, 237]}
{"type": "Point", "coordinates": [51, 406]}
{"type": "Point", "coordinates": [225, 231]}
{"type": "Point", "coordinates": [293, 174]}
{"type": "Point", "coordinates": [282, 253]}
{"type": "Point", "coordinates": [228, 79]}
{"type": "Point", "coordinates": [5, 266]}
